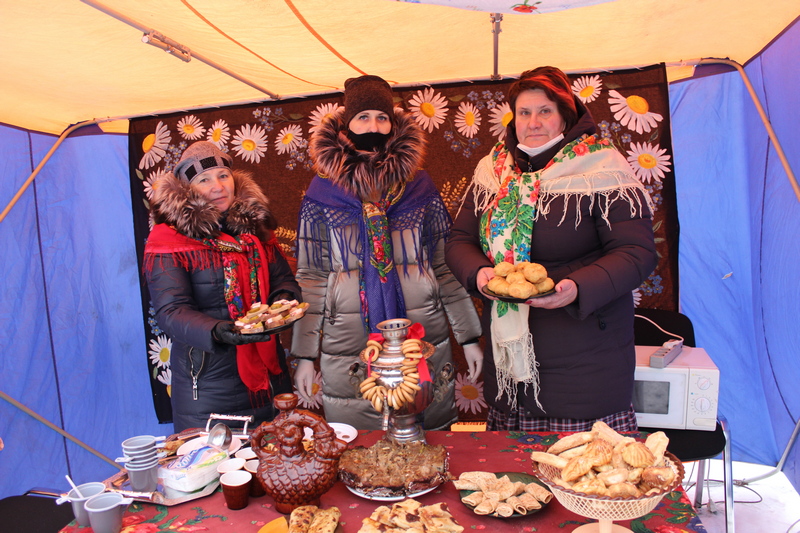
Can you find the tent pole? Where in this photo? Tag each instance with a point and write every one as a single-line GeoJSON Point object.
{"type": "Point", "coordinates": [41, 164]}
{"type": "Point", "coordinates": [496, 18]}
{"type": "Point", "coordinates": [174, 47]}
{"type": "Point", "coordinates": [52, 426]}
{"type": "Point", "coordinates": [764, 119]}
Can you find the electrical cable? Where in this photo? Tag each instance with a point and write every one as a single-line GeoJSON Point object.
{"type": "Point", "coordinates": [660, 328]}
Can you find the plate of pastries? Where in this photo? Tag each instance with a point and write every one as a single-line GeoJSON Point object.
{"type": "Point", "coordinates": [519, 282]}
{"type": "Point", "coordinates": [274, 318]}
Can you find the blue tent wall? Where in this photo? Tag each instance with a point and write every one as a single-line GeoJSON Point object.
{"type": "Point", "coordinates": [71, 338]}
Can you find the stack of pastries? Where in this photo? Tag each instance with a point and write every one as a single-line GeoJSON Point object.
{"type": "Point", "coordinates": [521, 280]}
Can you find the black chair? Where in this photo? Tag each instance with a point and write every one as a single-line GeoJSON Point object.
{"type": "Point", "coordinates": [689, 445]}
{"type": "Point", "coordinates": [34, 512]}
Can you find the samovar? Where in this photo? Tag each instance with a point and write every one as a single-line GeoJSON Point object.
{"type": "Point", "coordinates": [402, 419]}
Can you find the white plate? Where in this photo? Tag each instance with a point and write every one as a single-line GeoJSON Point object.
{"type": "Point", "coordinates": [199, 442]}
{"type": "Point", "coordinates": [389, 498]}
{"type": "Point", "coordinates": [343, 432]}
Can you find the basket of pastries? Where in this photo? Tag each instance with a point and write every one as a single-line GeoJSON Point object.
{"type": "Point", "coordinates": [604, 475]}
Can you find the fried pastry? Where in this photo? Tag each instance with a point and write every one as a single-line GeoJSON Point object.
{"type": "Point", "coordinates": [498, 285]}
{"type": "Point", "coordinates": [637, 455]}
{"type": "Point", "coordinates": [570, 441]}
{"type": "Point", "coordinates": [503, 269]}
{"type": "Point", "coordinates": [534, 272]}
{"type": "Point", "coordinates": [522, 290]}
{"type": "Point", "coordinates": [515, 277]}
{"type": "Point", "coordinates": [545, 285]}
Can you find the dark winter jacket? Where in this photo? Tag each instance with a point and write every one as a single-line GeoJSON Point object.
{"type": "Point", "coordinates": [188, 304]}
{"type": "Point", "coordinates": [585, 351]}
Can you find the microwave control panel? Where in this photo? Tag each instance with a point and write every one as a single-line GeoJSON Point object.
{"type": "Point", "coordinates": [702, 392]}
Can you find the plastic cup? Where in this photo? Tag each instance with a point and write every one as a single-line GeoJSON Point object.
{"type": "Point", "coordinates": [143, 479]}
{"type": "Point", "coordinates": [87, 490]}
{"type": "Point", "coordinates": [105, 511]}
{"type": "Point", "coordinates": [142, 443]}
{"type": "Point", "coordinates": [236, 488]}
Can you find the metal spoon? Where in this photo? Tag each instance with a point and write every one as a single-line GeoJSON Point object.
{"type": "Point", "coordinates": [220, 437]}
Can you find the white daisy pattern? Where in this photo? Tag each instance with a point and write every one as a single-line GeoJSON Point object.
{"type": "Point", "coordinates": [316, 394]}
{"type": "Point", "coordinates": [250, 143]}
{"type": "Point", "coordinates": [468, 120]}
{"type": "Point", "coordinates": [633, 112]}
{"type": "Point", "coordinates": [160, 351]}
{"type": "Point", "coordinates": [155, 146]}
{"type": "Point", "coordinates": [219, 134]}
{"type": "Point", "coordinates": [191, 128]}
{"type": "Point", "coordinates": [501, 116]}
{"type": "Point", "coordinates": [322, 112]}
{"type": "Point", "coordinates": [288, 138]}
{"type": "Point", "coordinates": [469, 396]}
{"type": "Point", "coordinates": [428, 108]}
{"type": "Point", "coordinates": [151, 183]}
{"type": "Point", "coordinates": [649, 161]}
{"type": "Point", "coordinates": [165, 377]}
{"type": "Point", "coordinates": [587, 88]}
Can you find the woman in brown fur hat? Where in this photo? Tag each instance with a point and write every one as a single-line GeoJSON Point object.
{"type": "Point", "coordinates": [371, 247]}
{"type": "Point", "coordinates": [210, 255]}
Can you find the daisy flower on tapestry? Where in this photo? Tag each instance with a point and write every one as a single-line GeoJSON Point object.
{"type": "Point", "coordinates": [165, 377]}
{"type": "Point", "coordinates": [468, 120]}
{"type": "Point", "coordinates": [288, 138]}
{"type": "Point", "coordinates": [219, 134]}
{"type": "Point", "coordinates": [155, 146]}
{"type": "Point", "coordinates": [316, 394]}
{"type": "Point", "coordinates": [501, 116]}
{"type": "Point", "coordinates": [648, 161]}
{"type": "Point", "coordinates": [191, 128]}
{"type": "Point", "coordinates": [633, 112]}
{"type": "Point", "coordinates": [250, 143]}
{"type": "Point", "coordinates": [469, 396]}
{"type": "Point", "coordinates": [321, 113]}
{"type": "Point", "coordinates": [151, 183]}
{"type": "Point", "coordinates": [160, 351]}
{"type": "Point", "coordinates": [587, 88]}
{"type": "Point", "coordinates": [428, 108]}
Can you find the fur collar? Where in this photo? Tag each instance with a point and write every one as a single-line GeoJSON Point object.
{"type": "Point", "coordinates": [176, 204]}
{"type": "Point", "coordinates": [367, 175]}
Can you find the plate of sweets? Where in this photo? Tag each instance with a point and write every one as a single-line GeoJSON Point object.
{"type": "Point", "coordinates": [263, 318]}
{"type": "Point", "coordinates": [502, 494]}
{"type": "Point", "coordinates": [518, 283]}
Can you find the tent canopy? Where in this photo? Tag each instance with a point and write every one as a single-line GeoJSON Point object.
{"type": "Point", "coordinates": [51, 62]}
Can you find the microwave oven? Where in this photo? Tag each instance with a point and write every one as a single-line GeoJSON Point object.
{"type": "Point", "coordinates": [683, 395]}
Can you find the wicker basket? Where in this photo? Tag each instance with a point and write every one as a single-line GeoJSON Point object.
{"type": "Point", "coordinates": [603, 507]}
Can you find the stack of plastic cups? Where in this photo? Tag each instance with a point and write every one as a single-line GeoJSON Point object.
{"type": "Point", "coordinates": [141, 457]}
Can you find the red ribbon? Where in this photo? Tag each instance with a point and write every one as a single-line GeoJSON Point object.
{"type": "Point", "coordinates": [415, 331]}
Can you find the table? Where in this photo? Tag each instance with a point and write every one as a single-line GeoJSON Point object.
{"type": "Point", "coordinates": [494, 451]}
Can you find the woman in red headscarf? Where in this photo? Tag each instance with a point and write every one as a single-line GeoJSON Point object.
{"type": "Point", "coordinates": [556, 194]}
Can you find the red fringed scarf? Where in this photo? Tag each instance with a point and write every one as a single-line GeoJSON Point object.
{"type": "Point", "coordinates": [246, 281]}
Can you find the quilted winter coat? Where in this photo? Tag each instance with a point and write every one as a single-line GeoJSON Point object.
{"type": "Point", "coordinates": [333, 329]}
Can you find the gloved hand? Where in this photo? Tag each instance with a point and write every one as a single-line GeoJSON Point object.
{"type": "Point", "coordinates": [223, 332]}
{"type": "Point", "coordinates": [304, 378]}
{"type": "Point", "coordinates": [474, 356]}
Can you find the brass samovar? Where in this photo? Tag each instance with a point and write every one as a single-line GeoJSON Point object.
{"type": "Point", "coordinates": [402, 397]}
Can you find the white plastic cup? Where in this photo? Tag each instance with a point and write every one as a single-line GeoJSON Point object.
{"type": "Point", "coordinates": [144, 478]}
{"type": "Point", "coordinates": [87, 490]}
{"type": "Point", "coordinates": [105, 511]}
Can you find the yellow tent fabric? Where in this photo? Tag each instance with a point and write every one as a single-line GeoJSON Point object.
{"type": "Point", "coordinates": [70, 61]}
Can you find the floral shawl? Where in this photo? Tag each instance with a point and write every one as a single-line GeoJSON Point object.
{"type": "Point", "coordinates": [509, 203]}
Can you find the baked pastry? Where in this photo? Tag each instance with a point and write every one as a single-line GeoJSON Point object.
{"type": "Point", "coordinates": [393, 469]}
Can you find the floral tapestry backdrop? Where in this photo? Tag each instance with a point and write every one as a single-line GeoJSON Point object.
{"type": "Point", "coordinates": [463, 121]}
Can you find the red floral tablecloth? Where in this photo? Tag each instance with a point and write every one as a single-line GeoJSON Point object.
{"type": "Point", "coordinates": [500, 451]}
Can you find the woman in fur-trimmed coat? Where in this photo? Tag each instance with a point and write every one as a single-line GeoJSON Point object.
{"type": "Point", "coordinates": [210, 255]}
{"type": "Point", "coordinates": [371, 247]}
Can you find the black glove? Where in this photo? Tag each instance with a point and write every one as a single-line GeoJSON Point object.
{"type": "Point", "coordinates": [224, 332]}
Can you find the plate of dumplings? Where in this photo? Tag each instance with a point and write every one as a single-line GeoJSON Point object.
{"type": "Point", "coordinates": [518, 283]}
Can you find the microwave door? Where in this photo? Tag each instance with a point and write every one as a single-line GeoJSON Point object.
{"type": "Point", "coordinates": [659, 397]}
